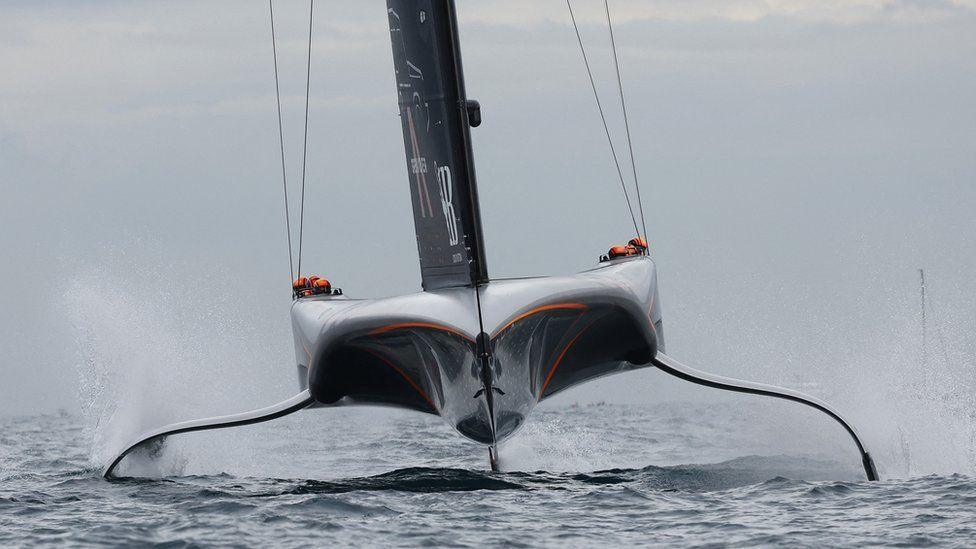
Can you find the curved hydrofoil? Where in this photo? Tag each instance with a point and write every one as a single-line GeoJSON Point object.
{"type": "Point", "coordinates": [293, 404]}
{"type": "Point", "coordinates": [672, 367]}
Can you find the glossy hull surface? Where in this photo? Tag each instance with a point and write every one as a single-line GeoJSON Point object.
{"type": "Point", "coordinates": [425, 351]}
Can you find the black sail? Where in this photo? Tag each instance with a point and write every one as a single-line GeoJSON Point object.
{"type": "Point", "coordinates": [436, 134]}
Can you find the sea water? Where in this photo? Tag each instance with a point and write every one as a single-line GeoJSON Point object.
{"type": "Point", "coordinates": [582, 476]}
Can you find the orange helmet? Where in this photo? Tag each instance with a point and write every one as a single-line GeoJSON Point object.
{"type": "Point", "coordinates": [638, 242]}
{"type": "Point", "coordinates": [321, 286]}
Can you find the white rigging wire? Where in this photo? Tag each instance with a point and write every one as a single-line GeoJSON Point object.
{"type": "Point", "coordinates": [281, 143]}
{"type": "Point", "coordinates": [606, 127]}
{"type": "Point", "coordinates": [308, 78]}
{"type": "Point", "coordinates": [623, 107]}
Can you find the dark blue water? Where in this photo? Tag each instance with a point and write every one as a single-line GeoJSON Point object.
{"type": "Point", "coordinates": [366, 478]}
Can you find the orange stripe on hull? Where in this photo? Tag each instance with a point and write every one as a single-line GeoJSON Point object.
{"type": "Point", "coordinates": [404, 375]}
{"type": "Point", "coordinates": [408, 325]}
{"type": "Point", "coordinates": [542, 309]}
{"type": "Point", "coordinates": [559, 359]}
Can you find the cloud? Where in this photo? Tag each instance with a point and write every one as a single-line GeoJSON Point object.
{"type": "Point", "coordinates": [520, 13]}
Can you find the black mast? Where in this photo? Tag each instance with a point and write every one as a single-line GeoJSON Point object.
{"type": "Point", "coordinates": [436, 117]}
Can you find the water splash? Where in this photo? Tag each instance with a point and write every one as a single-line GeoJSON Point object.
{"type": "Point", "coordinates": [919, 405]}
{"type": "Point", "coordinates": [156, 348]}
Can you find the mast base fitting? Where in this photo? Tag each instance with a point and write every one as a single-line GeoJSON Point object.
{"type": "Point", "coordinates": [636, 246]}
{"type": "Point", "coordinates": [313, 285]}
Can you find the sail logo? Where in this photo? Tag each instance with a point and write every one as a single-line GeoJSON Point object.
{"type": "Point", "coordinates": [418, 165]}
{"type": "Point", "coordinates": [446, 185]}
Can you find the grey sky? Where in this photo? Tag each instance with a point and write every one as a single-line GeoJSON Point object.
{"type": "Point", "coordinates": [800, 160]}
